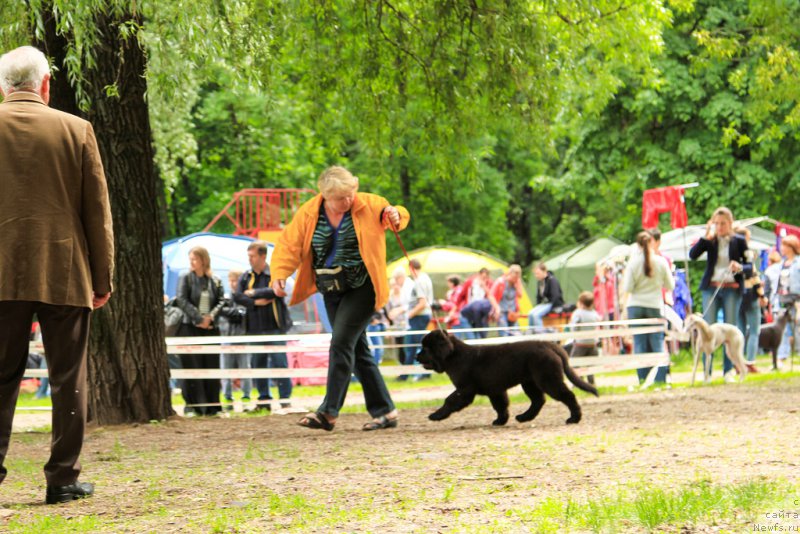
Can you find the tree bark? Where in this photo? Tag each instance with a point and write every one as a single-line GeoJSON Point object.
{"type": "Point", "coordinates": [128, 370]}
{"type": "Point", "coordinates": [54, 45]}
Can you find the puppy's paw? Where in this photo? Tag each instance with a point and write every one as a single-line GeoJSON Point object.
{"type": "Point", "coordinates": [437, 416]}
{"type": "Point", "coordinates": [574, 420]}
{"type": "Point", "coordinates": [500, 421]}
{"type": "Point", "coordinates": [523, 417]}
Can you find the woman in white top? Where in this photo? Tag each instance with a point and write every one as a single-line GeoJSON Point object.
{"type": "Point", "coordinates": [645, 276]}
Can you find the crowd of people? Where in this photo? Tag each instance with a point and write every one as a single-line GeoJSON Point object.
{"type": "Point", "coordinates": [642, 287]}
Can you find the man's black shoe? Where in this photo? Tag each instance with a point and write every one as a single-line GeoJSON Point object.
{"type": "Point", "coordinates": [78, 490]}
{"type": "Point", "coordinates": [263, 406]}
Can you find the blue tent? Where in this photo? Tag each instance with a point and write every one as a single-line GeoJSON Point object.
{"type": "Point", "coordinates": [229, 252]}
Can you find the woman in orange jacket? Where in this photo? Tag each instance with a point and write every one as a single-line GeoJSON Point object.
{"type": "Point", "coordinates": [336, 242]}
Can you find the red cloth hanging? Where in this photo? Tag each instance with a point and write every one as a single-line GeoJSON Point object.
{"type": "Point", "coordinates": [664, 199]}
{"type": "Point", "coordinates": [790, 230]}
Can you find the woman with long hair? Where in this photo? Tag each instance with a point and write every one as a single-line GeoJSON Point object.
{"type": "Point", "coordinates": [722, 285]}
{"type": "Point", "coordinates": [201, 297]}
{"type": "Point", "coordinates": [646, 275]}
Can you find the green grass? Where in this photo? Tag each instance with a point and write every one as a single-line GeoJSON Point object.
{"type": "Point", "coordinates": [647, 508]}
{"type": "Point", "coordinates": [55, 524]}
{"type": "Point", "coordinates": [29, 400]}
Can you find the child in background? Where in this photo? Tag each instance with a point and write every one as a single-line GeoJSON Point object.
{"type": "Point", "coordinates": [584, 313]}
{"type": "Point", "coordinates": [231, 323]}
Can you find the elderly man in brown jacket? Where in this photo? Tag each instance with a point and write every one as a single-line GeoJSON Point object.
{"type": "Point", "coordinates": [56, 256]}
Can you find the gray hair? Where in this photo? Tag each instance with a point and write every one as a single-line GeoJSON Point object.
{"type": "Point", "coordinates": [336, 179]}
{"type": "Point", "coordinates": [23, 69]}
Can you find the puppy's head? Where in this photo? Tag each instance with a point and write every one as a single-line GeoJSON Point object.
{"type": "Point", "coordinates": [436, 349]}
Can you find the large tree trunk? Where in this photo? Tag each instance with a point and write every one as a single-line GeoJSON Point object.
{"type": "Point", "coordinates": [54, 45]}
{"type": "Point", "coordinates": [128, 371]}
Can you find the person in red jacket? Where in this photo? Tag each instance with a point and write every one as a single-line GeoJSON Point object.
{"type": "Point", "coordinates": [504, 296]}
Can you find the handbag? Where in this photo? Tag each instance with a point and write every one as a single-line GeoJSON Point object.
{"type": "Point", "coordinates": [331, 281]}
{"type": "Point", "coordinates": [173, 317]}
{"type": "Point", "coordinates": [235, 314]}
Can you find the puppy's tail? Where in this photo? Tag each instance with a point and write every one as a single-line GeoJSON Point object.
{"type": "Point", "coordinates": [571, 374]}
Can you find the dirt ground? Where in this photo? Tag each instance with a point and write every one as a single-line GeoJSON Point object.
{"type": "Point", "coordinates": [264, 474]}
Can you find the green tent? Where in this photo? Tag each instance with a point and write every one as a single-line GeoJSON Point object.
{"type": "Point", "coordinates": [574, 268]}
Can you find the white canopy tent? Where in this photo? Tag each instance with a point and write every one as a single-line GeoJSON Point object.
{"type": "Point", "coordinates": [677, 248]}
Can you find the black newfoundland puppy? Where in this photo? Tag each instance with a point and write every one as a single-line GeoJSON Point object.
{"type": "Point", "coordinates": [539, 366]}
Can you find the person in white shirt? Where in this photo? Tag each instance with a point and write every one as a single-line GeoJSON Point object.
{"type": "Point", "coordinates": [419, 313]}
{"type": "Point", "coordinates": [645, 277]}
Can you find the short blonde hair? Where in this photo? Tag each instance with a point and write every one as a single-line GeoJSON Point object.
{"type": "Point", "coordinates": [515, 268]}
{"type": "Point", "coordinates": [234, 273]}
{"type": "Point", "coordinates": [336, 179]}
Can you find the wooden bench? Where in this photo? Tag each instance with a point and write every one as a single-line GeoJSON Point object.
{"type": "Point", "coordinates": [557, 319]}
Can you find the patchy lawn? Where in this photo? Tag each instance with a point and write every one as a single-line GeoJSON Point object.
{"type": "Point", "coordinates": [707, 459]}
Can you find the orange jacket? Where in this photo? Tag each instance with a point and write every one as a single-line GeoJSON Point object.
{"type": "Point", "coordinates": [293, 249]}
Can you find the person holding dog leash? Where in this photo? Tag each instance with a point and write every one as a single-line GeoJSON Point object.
{"type": "Point", "coordinates": [722, 285]}
{"type": "Point", "coordinates": [336, 242]}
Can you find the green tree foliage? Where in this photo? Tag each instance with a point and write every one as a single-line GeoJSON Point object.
{"type": "Point", "coordinates": [419, 98]}
{"type": "Point", "coordinates": [697, 120]}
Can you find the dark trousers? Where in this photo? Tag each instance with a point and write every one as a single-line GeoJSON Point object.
{"type": "Point", "coordinates": [350, 313]}
{"type": "Point", "coordinates": [65, 333]}
{"type": "Point", "coordinates": [200, 390]}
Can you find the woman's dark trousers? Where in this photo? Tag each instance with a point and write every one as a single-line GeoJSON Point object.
{"type": "Point", "coordinates": [350, 314]}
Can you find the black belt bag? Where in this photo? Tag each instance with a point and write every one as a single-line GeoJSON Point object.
{"type": "Point", "coordinates": [330, 281]}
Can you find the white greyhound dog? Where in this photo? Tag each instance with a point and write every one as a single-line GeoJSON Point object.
{"type": "Point", "coordinates": [709, 338]}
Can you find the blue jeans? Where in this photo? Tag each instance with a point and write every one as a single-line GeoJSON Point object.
{"type": "Point", "coordinates": [377, 341]}
{"type": "Point", "coordinates": [785, 348]}
{"type": "Point", "coordinates": [463, 323]}
{"type": "Point", "coordinates": [274, 360]}
{"type": "Point", "coordinates": [235, 361]}
{"type": "Point", "coordinates": [729, 300]}
{"type": "Point", "coordinates": [749, 322]}
{"type": "Point", "coordinates": [536, 316]}
{"type": "Point", "coordinates": [44, 385]}
{"type": "Point", "coordinates": [503, 322]}
{"type": "Point", "coordinates": [643, 343]}
{"type": "Point", "coordinates": [419, 322]}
